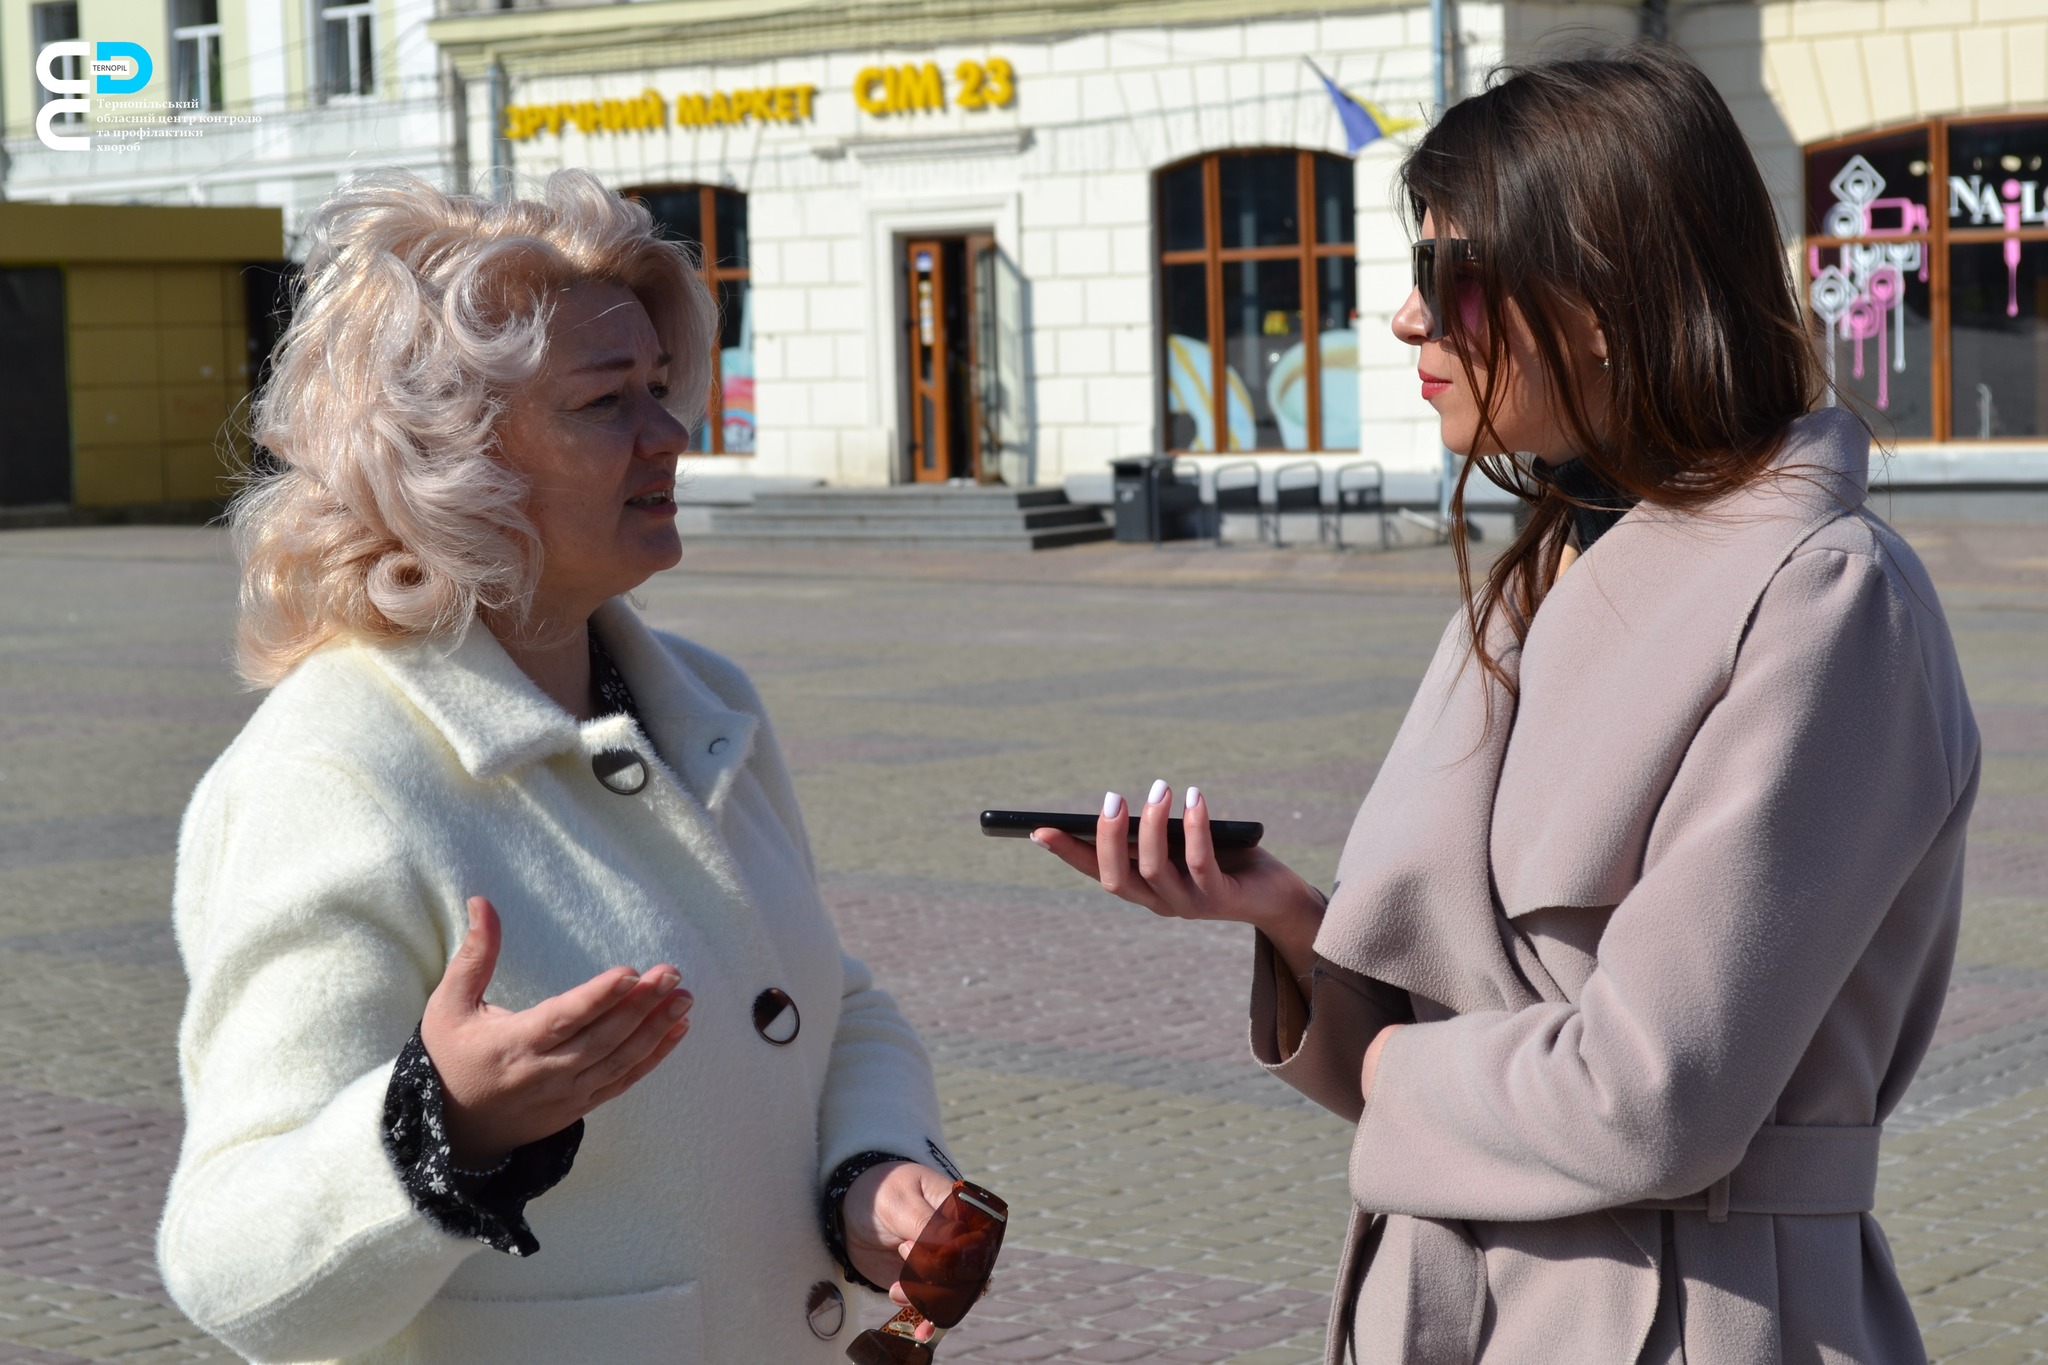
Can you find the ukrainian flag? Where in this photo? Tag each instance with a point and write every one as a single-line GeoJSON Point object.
{"type": "Point", "coordinates": [1364, 122]}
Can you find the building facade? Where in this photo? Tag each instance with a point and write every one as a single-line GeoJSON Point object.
{"type": "Point", "coordinates": [1016, 241]}
{"type": "Point", "coordinates": [1011, 240]}
{"type": "Point", "coordinates": [223, 102]}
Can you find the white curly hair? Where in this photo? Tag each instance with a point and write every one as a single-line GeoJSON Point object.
{"type": "Point", "coordinates": [389, 513]}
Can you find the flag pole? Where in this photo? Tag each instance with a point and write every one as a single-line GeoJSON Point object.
{"type": "Point", "coordinates": [1444, 70]}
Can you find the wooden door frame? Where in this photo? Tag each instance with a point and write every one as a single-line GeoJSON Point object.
{"type": "Point", "coordinates": [927, 355]}
{"type": "Point", "coordinates": [980, 463]}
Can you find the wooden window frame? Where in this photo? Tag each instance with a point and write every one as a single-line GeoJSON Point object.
{"type": "Point", "coordinates": [1937, 240]}
{"type": "Point", "coordinates": [1213, 255]}
{"type": "Point", "coordinates": [714, 273]}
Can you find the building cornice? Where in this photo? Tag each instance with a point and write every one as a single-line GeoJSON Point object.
{"type": "Point", "coordinates": [657, 33]}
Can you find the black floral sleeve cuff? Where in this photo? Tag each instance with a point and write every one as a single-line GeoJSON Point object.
{"type": "Point", "coordinates": [832, 1214]}
{"type": "Point", "coordinates": [488, 1206]}
{"type": "Point", "coordinates": [831, 1205]}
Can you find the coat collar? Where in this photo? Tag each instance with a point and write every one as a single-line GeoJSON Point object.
{"type": "Point", "coordinates": [1822, 467]}
{"type": "Point", "coordinates": [497, 720]}
{"type": "Point", "coordinates": [493, 715]}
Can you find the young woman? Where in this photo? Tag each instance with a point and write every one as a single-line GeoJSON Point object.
{"type": "Point", "coordinates": [501, 902]}
{"type": "Point", "coordinates": [1648, 917]}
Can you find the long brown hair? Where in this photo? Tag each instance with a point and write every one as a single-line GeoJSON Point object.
{"type": "Point", "coordinates": [1617, 183]}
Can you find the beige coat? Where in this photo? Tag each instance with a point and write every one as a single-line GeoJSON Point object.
{"type": "Point", "coordinates": [1677, 930]}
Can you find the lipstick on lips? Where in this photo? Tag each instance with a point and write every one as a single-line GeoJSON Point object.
{"type": "Point", "coordinates": [1431, 385]}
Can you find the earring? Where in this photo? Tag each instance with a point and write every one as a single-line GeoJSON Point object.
{"type": "Point", "coordinates": [1605, 365]}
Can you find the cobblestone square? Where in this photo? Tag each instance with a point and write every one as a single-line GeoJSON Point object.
{"type": "Point", "coordinates": [1173, 1203]}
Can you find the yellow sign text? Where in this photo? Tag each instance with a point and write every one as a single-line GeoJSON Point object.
{"type": "Point", "coordinates": [912, 88]}
{"type": "Point", "coordinates": [771, 104]}
{"type": "Point", "coordinates": [645, 113]}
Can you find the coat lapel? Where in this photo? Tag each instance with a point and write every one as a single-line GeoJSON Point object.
{"type": "Point", "coordinates": [703, 739]}
{"type": "Point", "coordinates": [1549, 800]}
{"type": "Point", "coordinates": [1632, 649]}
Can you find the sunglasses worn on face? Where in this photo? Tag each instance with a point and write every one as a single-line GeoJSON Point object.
{"type": "Point", "coordinates": [1463, 259]}
{"type": "Point", "coordinates": [946, 1271]}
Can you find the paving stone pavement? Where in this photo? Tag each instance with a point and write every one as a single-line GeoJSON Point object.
{"type": "Point", "coordinates": [1173, 1204]}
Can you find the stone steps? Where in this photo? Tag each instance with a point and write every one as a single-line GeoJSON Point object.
{"type": "Point", "coordinates": [914, 517]}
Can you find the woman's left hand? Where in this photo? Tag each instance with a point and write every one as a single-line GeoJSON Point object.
{"type": "Point", "coordinates": [883, 1213]}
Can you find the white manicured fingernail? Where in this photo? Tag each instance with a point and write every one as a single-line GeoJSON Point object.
{"type": "Point", "coordinates": [1194, 797]}
{"type": "Point", "coordinates": [1112, 806]}
{"type": "Point", "coordinates": [1158, 793]}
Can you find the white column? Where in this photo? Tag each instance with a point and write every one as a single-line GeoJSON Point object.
{"type": "Point", "coordinates": [267, 54]}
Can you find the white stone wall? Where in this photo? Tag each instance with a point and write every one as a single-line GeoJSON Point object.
{"type": "Point", "coordinates": [1064, 179]}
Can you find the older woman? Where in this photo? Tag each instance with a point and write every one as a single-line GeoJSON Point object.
{"type": "Point", "coordinates": [501, 894]}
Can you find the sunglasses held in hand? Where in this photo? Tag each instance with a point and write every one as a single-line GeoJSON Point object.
{"type": "Point", "coordinates": [946, 1271]}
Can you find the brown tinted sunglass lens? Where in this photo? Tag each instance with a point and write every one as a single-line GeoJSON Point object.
{"type": "Point", "coordinates": [882, 1348]}
{"type": "Point", "coordinates": [878, 1348]}
{"type": "Point", "coordinates": [950, 1264]}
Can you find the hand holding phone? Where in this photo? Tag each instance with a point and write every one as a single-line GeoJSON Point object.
{"type": "Point", "coordinates": [1192, 876]}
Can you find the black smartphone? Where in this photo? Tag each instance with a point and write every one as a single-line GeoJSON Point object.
{"type": "Point", "coordinates": [1018, 824]}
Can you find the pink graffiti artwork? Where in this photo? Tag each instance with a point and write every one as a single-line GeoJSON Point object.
{"type": "Point", "coordinates": [1885, 289]}
{"type": "Point", "coordinates": [2011, 190]}
{"type": "Point", "coordinates": [1912, 218]}
{"type": "Point", "coordinates": [1863, 321]}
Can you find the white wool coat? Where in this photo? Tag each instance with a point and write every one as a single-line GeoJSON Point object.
{"type": "Point", "coordinates": [323, 868]}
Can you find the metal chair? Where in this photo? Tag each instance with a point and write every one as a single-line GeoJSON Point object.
{"type": "Point", "coordinates": [1361, 488]}
{"type": "Point", "coordinates": [1236, 495]}
{"type": "Point", "coordinates": [1297, 487]}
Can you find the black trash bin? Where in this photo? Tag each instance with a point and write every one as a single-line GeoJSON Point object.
{"type": "Point", "coordinates": [1153, 503]}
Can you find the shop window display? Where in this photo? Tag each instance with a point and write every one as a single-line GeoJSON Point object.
{"type": "Point", "coordinates": [1258, 284]}
{"type": "Point", "coordinates": [714, 221]}
{"type": "Point", "coordinates": [1926, 272]}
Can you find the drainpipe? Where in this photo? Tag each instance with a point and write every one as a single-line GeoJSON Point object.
{"type": "Point", "coordinates": [1443, 36]}
{"type": "Point", "coordinates": [455, 97]}
{"type": "Point", "coordinates": [1443, 52]}
{"type": "Point", "coordinates": [501, 147]}
{"type": "Point", "coordinates": [1653, 19]}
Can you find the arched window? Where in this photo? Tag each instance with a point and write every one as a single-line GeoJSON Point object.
{"type": "Point", "coordinates": [715, 221]}
{"type": "Point", "coordinates": [1927, 272]}
{"type": "Point", "coordinates": [1258, 280]}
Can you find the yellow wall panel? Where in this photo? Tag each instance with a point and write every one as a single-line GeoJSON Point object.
{"type": "Point", "coordinates": [189, 293]}
{"type": "Point", "coordinates": [194, 412]}
{"type": "Point", "coordinates": [197, 470]}
{"type": "Point", "coordinates": [192, 355]}
{"type": "Point", "coordinates": [109, 295]}
{"type": "Point", "coordinates": [120, 234]}
{"type": "Point", "coordinates": [118, 476]}
{"type": "Point", "coordinates": [241, 370]}
{"type": "Point", "coordinates": [234, 297]}
{"type": "Point", "coordinates": [116, 356]}
{"type": "Point", "coordinates": [115, 417]}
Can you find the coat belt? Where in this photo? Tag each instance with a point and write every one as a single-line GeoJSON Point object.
{"type": "Point", "coordinates": [1787, 1170]}
{"type": "Point", "coordinates": [1792, 1170]}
